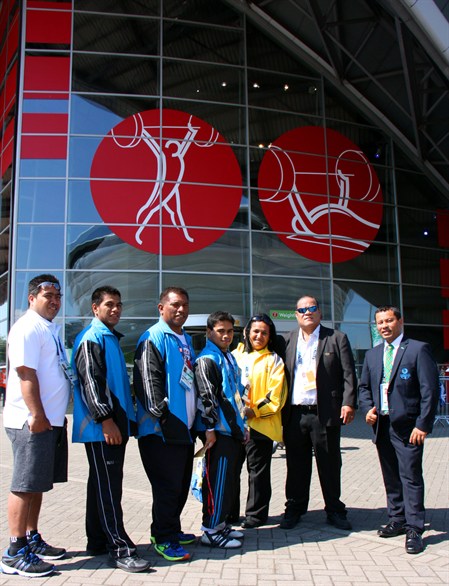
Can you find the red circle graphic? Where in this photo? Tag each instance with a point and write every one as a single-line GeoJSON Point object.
{"type": "Point", "coordinates": [320, 194]}
{"type": "Point", "coordinates": [166, 182]}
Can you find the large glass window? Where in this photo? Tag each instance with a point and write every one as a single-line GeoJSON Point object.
{"type": "Point", "coordinates": [205, 59]}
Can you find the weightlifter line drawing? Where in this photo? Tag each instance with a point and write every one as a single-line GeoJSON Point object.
{"type": "Point", "coordinates": [170, 159]}
{"type": "Point", "coordinates": [303, 218]}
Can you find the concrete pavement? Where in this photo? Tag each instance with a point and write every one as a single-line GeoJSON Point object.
{"type": "Point", "coordinates": [313, 553]}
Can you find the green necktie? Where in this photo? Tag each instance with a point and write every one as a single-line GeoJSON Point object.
{"type": "Point", "coordinates": [388, 362]}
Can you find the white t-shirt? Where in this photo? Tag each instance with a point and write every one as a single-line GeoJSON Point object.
{"type": "Point", "coordinates": [33, 342]}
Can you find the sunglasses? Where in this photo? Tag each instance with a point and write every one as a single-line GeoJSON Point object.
{"type": "Point", "coordinates": [303, 310]}
{"type": "Point", "coordinates": [57, 286]}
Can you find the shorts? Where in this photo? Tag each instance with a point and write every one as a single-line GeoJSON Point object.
{"type": "Point", "coordinates": [40, 459]}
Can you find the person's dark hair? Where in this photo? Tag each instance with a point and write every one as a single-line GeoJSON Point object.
{"type": "Point", "coordinates": [393, 308]}
{"type": "Point", "coordinates": [263, 317]}
{"type": "Point", "coordinates": [217, 316]}
{"type": "Point", "coordinates": [178, 290]}
{"type": "Point", "coordinates": [100, 292]}
{"type": "Point", "coordinates": [33, 285]}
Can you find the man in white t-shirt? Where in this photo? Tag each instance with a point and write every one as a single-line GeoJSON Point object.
{"type": "Point", "coordinates": [37, 394]}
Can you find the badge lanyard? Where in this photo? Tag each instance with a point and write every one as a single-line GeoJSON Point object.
{"type": "Point", "coordinates": [186, 379]}
{"type": "Point", "coordinates": [63, 362]}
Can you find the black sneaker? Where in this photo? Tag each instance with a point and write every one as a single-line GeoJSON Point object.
{"type": "Point", "coordinates": [44, 551]}
{"type": "Point", "coordinates": [25, 563]}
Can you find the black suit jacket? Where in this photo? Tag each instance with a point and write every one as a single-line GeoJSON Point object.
{"type": "Point", "coordinates": [336, 379]}
{"type": "Point", "coordinates": [413, 389]}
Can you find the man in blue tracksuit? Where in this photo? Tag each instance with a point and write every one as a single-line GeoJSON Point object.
{"type": "Point", "coordinates": [103, 418]}
{"type": "Point", "coordinates": [218, 382]}
{"type": "Point", "coordinates": [166, 407]}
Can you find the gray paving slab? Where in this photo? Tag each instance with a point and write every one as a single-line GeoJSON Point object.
{"type": "Point", "coordinates": [313, 553]}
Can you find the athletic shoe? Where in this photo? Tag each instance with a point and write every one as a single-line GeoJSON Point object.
{"type": "Point", "coordinates": [25, 563]}
{"type": "Point", "coordinates": [173, 552]}
{"type": "Point", "coordinates": [219, 539]}
{"type": "Point", "coordinates": [183, 538]}
{"type": "Point", "coordinates": [131, 563]}
{"type": "Point", "coordinates": [228, 531]}
{"type": "Point", "coordinates": [44, 551]}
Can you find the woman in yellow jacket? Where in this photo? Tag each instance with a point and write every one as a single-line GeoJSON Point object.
{"type": "Point", "coordinates": [262, 373]}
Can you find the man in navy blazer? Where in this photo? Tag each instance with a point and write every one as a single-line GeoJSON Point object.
{"type": "Point", "coordinates": [401, 409]}
{"type": "Point", "coordinates": [322, 394]}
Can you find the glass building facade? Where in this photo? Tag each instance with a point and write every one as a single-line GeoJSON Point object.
{"type": "Point", "coordinates": [142, 146]}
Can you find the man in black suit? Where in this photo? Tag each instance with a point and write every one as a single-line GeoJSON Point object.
{"type": "Point", "coordinates": [322, 395]}
{"type": "Point", "coordinates": [399, 397]}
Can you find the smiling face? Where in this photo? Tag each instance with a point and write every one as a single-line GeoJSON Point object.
{"type": "Point", "coordinates": [174, 310]}
{"type": "Point", "coordinates": [259, 335]}
{"type": "Point", "coordinates": [388, 325]}
{"type": "Point", "coordinates": [221, 334]}
{"type": "Point", "coordinates": [309, 320]}
{"type": "Point", "coordinates": [47, 302]}
{"type": "Point", "coordinates": [109, 310]}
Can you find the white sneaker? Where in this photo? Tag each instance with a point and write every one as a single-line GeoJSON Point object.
{"type": "Point", "coordinates": [228, 531]}
{"type": "Point", "coordinates": [219, 539]}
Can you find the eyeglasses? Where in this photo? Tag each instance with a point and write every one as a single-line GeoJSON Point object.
{"type": "Point", "coordinates": [263, 318]}
{"type": "Point", "coordinates": [57, 286]}
{"type": "Point", "coordinates": [303, 310]}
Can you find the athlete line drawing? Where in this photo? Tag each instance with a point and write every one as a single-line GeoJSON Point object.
{"type": "Point", "coordinates": [170, 159]}
{"type": "Point", "coordinates": [303, 219]}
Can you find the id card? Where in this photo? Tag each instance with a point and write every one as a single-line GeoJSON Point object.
{"type": "Point", "coordinates": [384, 398]}
{"type": "Point", "coordinates": [309, 381]}
{"type": "Point", "coordinates": [186, 380]}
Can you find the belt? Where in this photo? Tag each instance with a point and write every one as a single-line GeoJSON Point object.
{"type": "Point", "coordinates": [307, 408]}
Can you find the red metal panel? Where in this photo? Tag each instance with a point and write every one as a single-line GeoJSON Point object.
{"type": "Point", "coordinates": [7, 147]}
{"type": "Point", "coordinates": [446, 329]}
{"type": "Point", "coordinates": [443, 228]}
{"type": "Point", "coordinates": [45, 123]}
{"type": "Point", "coordinates": [48, 26]}
{"type": "Point", "coordinates": [47, 75]}
{"type": "Point", "coordinates": [44, 147]}
{"type": "Point", "coordinates": [444, 276]}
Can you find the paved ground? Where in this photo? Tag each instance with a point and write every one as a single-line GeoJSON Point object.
{"type": "Point", "coordinates": [311, 554]}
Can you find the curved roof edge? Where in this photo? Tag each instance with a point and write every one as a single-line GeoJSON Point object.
{"type": "Point", "coordinates": [428, 23]}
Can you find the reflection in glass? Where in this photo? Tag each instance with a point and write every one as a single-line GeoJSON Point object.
{"type": "Point", "coordinates": [140, 292]}
{"type": "Point", "coordinates": [229, 254]}
{"type": "Point", "coordinates": [41, 201]}
{"type": "Point", "coordinates": [97, 248]}
{"type": "Point", "coordinates": [40, 247]}
{"type": "Point", "coordinates": [357, 301]}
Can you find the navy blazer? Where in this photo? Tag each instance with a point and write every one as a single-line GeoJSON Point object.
{"type": "Point", "coordinates": [336, 380]}
{"type": "Point", "coordinates": [413, 389]}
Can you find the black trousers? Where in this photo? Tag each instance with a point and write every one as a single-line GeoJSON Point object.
{"type": "Point", "coordinates": [401, 465]}
{"type": "Point", "coordinates": [104, 515]}
{"type": "Point", "coordinates": [303, 433]}
{"type": "Point", "coordinates": [219, 482]}
{"type": "Point", "coordinates": [259, 451]}
{"type": "Point", "coordinates": [169, 470]}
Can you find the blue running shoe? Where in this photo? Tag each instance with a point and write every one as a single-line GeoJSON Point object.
{"type": "Point", "coordinates": [183, 538]}
{"type": "Point", "coordinates": [173, 552]}
{"type": "Point", "coordinates": [25, 563]}
{"type": "Point", "coordinates": [44, 551]}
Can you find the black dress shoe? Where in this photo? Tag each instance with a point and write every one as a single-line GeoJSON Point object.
{"type": "Point", "coordinates": [132, 563]}
{"type": "Point", "coordinates": [289, 520]}
{"type": "Point", "coordinates": [339, 520]}
{"type": "Point", "coordinates": [413, 542]}
{"type": "Point", "coordinates": [392, 529]}
{"type": "Point", "coordinates": [251, 523]}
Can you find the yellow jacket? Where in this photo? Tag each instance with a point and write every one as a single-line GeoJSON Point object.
{"type": "Point", "coordinates": [264, 371]}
